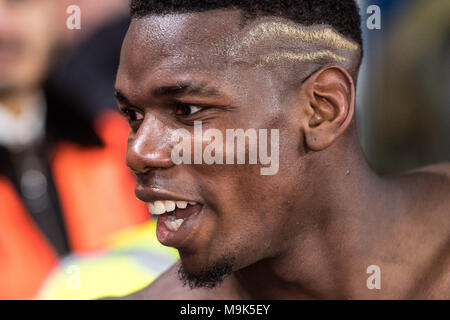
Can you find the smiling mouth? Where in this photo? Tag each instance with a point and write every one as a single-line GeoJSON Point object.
{"type": "Point", "coordinates": [173, 213]}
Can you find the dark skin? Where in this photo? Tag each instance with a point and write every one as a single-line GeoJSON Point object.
{"type": "Point", "coordinates": [309, 232]}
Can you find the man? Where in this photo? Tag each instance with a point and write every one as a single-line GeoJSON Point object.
{"type": "Point", "coordinates": [64, 188]}
{"type": "Point", "coordinates": [315, 228]}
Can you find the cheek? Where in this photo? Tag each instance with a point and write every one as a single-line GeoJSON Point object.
{"type": "Point", "coordinates": [249, 226]}
{"type": "Point", "coordinates": [247, 212]}
{"type": "Point", "coordinates": [245, 203]}
{"type": "Point", "coordinates": [242, 192]}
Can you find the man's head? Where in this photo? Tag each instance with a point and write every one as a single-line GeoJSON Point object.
{"type": "Point", "coordinates": [29, 30]}
{"type": "Point", "coordinates": [287, 65]}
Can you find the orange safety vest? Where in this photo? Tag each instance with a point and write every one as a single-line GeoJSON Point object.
{"type": "Point", "coordinates": [96, 192]}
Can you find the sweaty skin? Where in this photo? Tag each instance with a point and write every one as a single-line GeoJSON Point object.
{"type": "Point", "coordinates": [312, 230]}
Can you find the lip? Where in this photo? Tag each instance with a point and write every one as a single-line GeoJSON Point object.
{"type": "Point", "coordinates": [180, 238]}
{"type": "Point", "coordinates": [151, 194]}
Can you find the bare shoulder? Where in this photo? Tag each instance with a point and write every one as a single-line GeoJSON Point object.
{"type": "Point", "coordinates": [168, 286]}
{"type": "Point", "coordinates": [430, 188]}
{"type": "Point", "coordinates": [442, 169]}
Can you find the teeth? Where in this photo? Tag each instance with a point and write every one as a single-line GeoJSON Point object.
{"type": "Point", "coordinates": [182, 204]}
{"type": "Point", "coordinates": [151, 207]}
{"type": "Point", "coordinates": [157, 208]}
{"type": "Point", "coordinates": [170, 205]}
{"type": "Point", "coordinates": [160, 207]}
{"type": "Point", "coordinates": [173, 224]}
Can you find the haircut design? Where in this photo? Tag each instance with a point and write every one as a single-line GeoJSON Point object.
{"type": "Point", "coordinates": [300, 44]}
{"type": "Point", "coordinates": [304, 57]}
{"type": "Point", "coordinates": [326, 31]}
{"type": "Point", "coordinates": [341, 16]}
{"type": "Point", "coordinates": [320, 36]}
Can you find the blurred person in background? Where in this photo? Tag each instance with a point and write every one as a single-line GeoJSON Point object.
{"type": "Point", "coordinates": [90, 71]}
{"type": "Point", "coordinates": [65, 192]}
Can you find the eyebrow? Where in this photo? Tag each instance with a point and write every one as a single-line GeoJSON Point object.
{"type": "Point", "coordinates": [185, 88]}
{"type": "Point", "coordinates": [178, 89]}
{"type": "Point", "coordinates": [120, 97]}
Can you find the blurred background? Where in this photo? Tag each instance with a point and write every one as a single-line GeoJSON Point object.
{"type": "Point", "coordinates": [70, 226]}
{"type": "Point", "coordinates": [404, 89]}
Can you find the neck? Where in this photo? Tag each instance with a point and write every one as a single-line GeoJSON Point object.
{"type": "Point", "coordinates": [336, 234]}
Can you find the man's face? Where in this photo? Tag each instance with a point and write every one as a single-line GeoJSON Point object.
{"type": "Point", "coordinates": [170, 63]}
{"type": "Point", "coordinates": [28, 32]}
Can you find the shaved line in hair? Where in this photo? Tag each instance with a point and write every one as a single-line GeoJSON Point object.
{"type": "Point", "coordinates": [271, 42]}
{"type": "Point", "coordinates": [304, 57]}
{"type": "Point", "coordinates": [325, 36]}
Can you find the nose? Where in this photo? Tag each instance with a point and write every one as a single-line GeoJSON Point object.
{"type": "Point", "coordinates": [150, 147]}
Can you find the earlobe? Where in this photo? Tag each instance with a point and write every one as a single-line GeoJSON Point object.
{"type": "Point", "coordinates": [331, 95]}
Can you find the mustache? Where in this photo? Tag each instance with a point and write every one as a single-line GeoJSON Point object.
{"type": "Point", "coordinates": [162, 181]}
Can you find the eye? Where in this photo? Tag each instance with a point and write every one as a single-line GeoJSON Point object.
{"type": "Point", "coordinates": [185, 110]}
{"type": "Point", "coordinates": [132, 115]}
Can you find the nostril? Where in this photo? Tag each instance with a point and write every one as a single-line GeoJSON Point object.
{"type": "Point", "coordinates": [143, 163]}
{"type": "Point", "coordinates": [148, 150]}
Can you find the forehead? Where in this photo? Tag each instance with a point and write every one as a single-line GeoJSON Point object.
{"type": "Point", "coordinates": [218, 48]}
{"type": "Point", "coordinates": [161, 50]}
{"type": "Point", "coordinates": [192, 41]}
{"type": "Point", "coordinates": [194, 49]}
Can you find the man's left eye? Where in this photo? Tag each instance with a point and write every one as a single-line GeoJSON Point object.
{"type": "Point", "coordinates": [186, 109]}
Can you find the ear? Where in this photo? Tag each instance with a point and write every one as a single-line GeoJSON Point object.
{"type": "Point", "coordinates": [330, 107]}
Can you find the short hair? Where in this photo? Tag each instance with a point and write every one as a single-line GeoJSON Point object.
{"type": "Point", "coordinates": [341, 15]}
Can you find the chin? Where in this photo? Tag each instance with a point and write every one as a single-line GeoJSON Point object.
{"type": "Point", "coordinates": [194, 262]}
{"type": "Point", "coordinates": [198, 275]}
